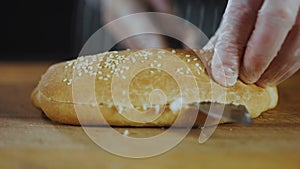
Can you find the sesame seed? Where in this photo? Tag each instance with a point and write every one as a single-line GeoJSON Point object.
{"type": "Point", "coordinates": [187, 56]}
{"type": "Point", "coordinates": [70, 63]}
{"type": "Point", "coordinates": [157, 108]}
{"type": "Point", "coordinates": [120, 109]}
{"type": "Point", "coordinates": [145, 107]}
{"type": "Point", "coordinates": [91, 73]}
{"type": "Point", "coordinates": [127, 68]}
{"type": "Point", "coordinates": [173, 51]}
{"type": "Point", "coordinates": [69, 82]}
{"type": "Point", "coordinates": [133, 60]}
{"type": "Point", "coordinates": [209, 63]}
{"type": "Point", "coordinates": [110, 105]}
{"type": "Point", "coordinates": [126, 133]}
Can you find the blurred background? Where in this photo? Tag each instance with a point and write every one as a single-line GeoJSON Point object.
{"type": "Point", "coordinates": [55, 30]}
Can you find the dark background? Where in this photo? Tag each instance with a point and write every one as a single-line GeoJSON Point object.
{"type": "Point", "coordinates": [35, 30]}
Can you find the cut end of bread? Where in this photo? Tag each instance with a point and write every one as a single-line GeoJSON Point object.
{"type": "Point", "coordinates": [273, 92]}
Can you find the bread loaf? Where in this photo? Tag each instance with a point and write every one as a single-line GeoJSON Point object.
{"type": "Point", "coordinates": [162, 74]}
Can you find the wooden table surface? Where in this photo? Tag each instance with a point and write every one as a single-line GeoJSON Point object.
{"type": "Point", "coordinates": [29, 140]}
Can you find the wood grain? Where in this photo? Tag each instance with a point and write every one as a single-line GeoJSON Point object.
{"type": "Point", "coordinates": [30, 140]}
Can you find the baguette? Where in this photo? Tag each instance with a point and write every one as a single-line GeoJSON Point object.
{"type": "Point", "coordinates": [54, 94]}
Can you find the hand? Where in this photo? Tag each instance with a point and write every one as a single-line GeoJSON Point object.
{"type": "Point", "coordinates": [114, 9]}
{"type": "Point", "coordinates": [258, 40]}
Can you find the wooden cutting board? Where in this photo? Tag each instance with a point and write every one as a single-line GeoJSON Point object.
{"type": "Point", "coordinates": [29, 140]}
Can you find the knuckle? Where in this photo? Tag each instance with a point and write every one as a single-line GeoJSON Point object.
{"type": "Point", "coordinates": [238, 17]}
{"type": "Point", "coordinates": [281, 15]}
{"type": "Point", "coordinates": [229, 48]}
{"type": "Point", "coordinates": [239, 13]}
{"type": "Point", "coordinates": [298, 21]}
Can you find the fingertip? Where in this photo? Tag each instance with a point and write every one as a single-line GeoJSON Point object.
{"type": "Point", "coordinates": [224, 71]}
{"type": "Point", "coordinates": [247, 77]}
{"type": "Point", "coordinates": [262, 83]}
{"type": "Point", "coordinates": [223, 80]}
{"type": "Point", "coordinates": [224, 76]}
{"type": "Point", "coordinates": [231, 81]}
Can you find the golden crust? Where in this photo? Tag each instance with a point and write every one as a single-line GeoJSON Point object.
{"type": "Point", "coordinates": [94, 81]}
